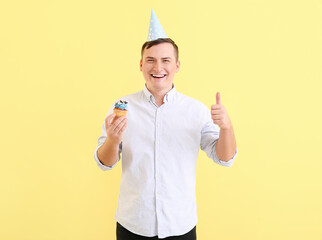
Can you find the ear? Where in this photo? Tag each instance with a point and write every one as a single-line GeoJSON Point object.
{"type": "Point", "coordinates": [178, 66]}
{"type": "Point", "coordinates": [141, 65]}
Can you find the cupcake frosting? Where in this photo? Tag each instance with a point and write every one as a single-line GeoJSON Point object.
{"type": "Point", "coordinates": [121, 105]}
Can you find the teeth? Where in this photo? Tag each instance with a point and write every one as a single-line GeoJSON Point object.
{"type": "Point", "coordinates": [163, 75]}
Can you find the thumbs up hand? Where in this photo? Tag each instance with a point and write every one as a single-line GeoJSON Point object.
{"type": "Point", "coordinates": [219, 114]}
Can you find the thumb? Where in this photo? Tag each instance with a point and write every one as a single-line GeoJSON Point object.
{"type": "Point", "coordinates": [218, 99]}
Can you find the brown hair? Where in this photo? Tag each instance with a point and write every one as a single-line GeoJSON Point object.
{"type": "Point", "coordinates": [149, 44]}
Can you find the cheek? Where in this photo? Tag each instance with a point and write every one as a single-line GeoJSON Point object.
{"type": "Point", "coordinates": [172, 70]}
{"type": "Point", "coordinates": [145, 70]}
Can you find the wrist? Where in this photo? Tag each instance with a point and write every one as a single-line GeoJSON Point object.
{"type": "Point", "coordinates": [227, 128]}
{"type": "Point", "coordinates": [112, 142]}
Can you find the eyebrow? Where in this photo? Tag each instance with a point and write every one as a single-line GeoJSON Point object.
{"type": "Point", "coordinates": [161, 58]}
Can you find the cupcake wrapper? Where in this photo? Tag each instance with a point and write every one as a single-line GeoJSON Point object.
{"type": "Point", "coordinates": [119, 112]}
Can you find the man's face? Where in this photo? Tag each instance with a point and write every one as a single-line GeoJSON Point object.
{"type": "Point", "coordinates": [158, 65]}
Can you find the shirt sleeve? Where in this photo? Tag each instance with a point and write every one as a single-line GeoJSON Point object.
{"type": "Point", "coordinates": [100, 141]}
{"type": "Point", "coordinates": [209, 137]}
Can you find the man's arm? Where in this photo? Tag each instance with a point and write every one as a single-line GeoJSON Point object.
{"type": "Point", "coordinates": [108, 152]}
{"type": "Point", "coordinates": [226, 145]}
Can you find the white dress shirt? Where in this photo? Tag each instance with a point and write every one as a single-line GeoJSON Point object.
{"type": "Point", "coordinates": [159, 153]}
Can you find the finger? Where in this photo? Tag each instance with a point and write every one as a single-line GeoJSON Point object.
{"type": "Point", "coordinates": [123, 128]}
{"type": "Point", "coordinates": [217, 117]}
{"type": "Point", "coordinates": [117, 122]}
{"type": "Point", "coordinates": [216, 112]}
{"type": "Point", "coordinates": [218, 99]}
{"type": "Point", "coordinates": [120, 126]}
{"type": "Point", "coordinates": [216, 107]}
{"type": "Point", "coordinates": [109, 118]}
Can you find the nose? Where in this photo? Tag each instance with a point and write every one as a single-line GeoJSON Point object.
{"type": "Point", "coordinates": [157, 66]}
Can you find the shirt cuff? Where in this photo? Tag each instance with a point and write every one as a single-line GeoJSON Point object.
{"type": "Point", "coordinates": [228, 163]}
{"type": "Point", "coordinates": [100, 164]}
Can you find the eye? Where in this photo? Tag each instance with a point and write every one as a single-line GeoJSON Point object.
{"type": "Point", "coordinates": [150, 60]}
{"type": "Point", "coordinates": [166, 60]}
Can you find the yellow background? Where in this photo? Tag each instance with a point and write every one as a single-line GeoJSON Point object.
{"type": "Point", "coordinates": [63, 63]}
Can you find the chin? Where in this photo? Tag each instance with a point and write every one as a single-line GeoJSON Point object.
{"type": "Point", "coordinates": [158, 85]}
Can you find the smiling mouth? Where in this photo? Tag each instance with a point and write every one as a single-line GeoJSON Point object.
{"type": "Point", "coordinates": [158, 75]}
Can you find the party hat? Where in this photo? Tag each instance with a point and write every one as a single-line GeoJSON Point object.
{"type": "Point", "coordinates": [155, 29]}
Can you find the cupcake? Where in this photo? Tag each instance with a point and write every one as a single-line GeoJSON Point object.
{"type": "Point", "coordinates": [120, 108]}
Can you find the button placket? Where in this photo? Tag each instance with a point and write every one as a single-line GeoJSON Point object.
{"type": "Point", "coordinates": [157, 160]}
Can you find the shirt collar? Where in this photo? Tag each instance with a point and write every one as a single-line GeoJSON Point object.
{"type": "Point", "coordinates": [167, 98]}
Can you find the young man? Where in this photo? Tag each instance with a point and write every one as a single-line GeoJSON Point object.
{"type": "Point", "coordinates": [160, 139]}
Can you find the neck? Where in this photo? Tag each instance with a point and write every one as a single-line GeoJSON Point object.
{"type": "Point", "coordinates": [159, 94]}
